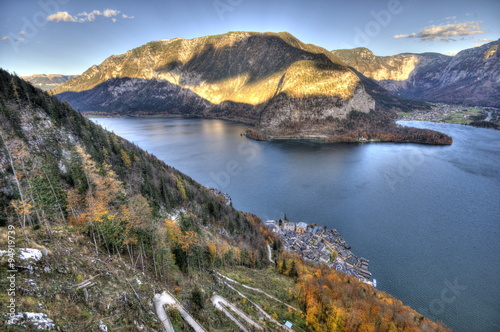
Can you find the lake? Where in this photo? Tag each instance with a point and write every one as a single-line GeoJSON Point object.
{"type": "Point", "coordinates": [427, 217]}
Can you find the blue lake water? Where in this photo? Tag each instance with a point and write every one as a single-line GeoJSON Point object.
{"type": "Point", "coordinates": [427, 217]}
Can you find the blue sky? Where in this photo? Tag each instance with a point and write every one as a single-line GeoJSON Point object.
{"type": "Point", "coordinates": [69, 36]}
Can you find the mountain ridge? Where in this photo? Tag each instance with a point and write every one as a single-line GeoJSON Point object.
{"type": "Point", "coordinates": [469, 78]}
{"type": "Point", "coordinates": [163, 59]}
{"type": "Point", "coordinates": [283, 87]}
{"type": "Point", "coordinates": [47, 82]}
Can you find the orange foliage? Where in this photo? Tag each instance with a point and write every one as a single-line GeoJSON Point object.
{"type": "Point", "coordinates": [104, 191]}
{"type": "Point", "coordinates": [337, 302]}
{"type": "Point", "coordinates": [173, 231]}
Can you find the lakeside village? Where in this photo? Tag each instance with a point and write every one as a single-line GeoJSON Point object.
{"type": "Point", "coordinates": [453, 114]}
{"type": "Point", "coordinates": [317, 244]}
{"type": "Point", "coordinates": [321, 245]}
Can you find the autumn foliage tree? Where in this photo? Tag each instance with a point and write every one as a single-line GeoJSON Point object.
{"type": "Point", "coordinates": [333, 301]}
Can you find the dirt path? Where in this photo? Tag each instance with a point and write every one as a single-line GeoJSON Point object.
{"type": "Point", "coordinates": [167, 299]}
{"type": "Point", "coordinates": [221, 303]}
{"type": "Point", "coordinates": [256, 290]}
{"type": "Point", "coordinates": [160, 301]}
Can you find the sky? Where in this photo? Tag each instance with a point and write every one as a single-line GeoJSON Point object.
{"type": "Point", "coordinates": [69, 36]}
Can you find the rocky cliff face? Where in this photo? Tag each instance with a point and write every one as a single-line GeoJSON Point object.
{"type": "Point", "coordinates": [394, 68]}
{"type": "Point", "coordinates": [471, 77]}
{"type": "Point", "coordinates": [47, 82]}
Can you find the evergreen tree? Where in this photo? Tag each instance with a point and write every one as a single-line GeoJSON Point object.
{"type": "Point", "coordinates": [293, 270]}
{"type": "Point", "coordinates": [283, 267]}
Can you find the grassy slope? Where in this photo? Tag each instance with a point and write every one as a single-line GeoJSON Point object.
{"type": "Point", "coordinates": [122, 297]}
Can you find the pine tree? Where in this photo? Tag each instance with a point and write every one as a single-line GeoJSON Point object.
{"type": "Point", "coordinates": [283, 268]}
{"type": "Point", "coordinates": [293, 270]}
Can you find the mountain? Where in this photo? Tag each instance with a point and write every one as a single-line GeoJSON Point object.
{"type": "Point", "coordinates": [286, 88]}
{"type": "Point", "coordinates": [47, 82]}
{"type": "Point", "coordinates": [472, 77]}
{"type": "Point", "coordinates": [104, 236]}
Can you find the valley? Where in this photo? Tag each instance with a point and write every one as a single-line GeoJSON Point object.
{"type": "Point", "coordinates": [228, 165]}
{"type": "Point", "coordinates": [280, 85]}
{"type": "Point", "coordinates": [47, 82]}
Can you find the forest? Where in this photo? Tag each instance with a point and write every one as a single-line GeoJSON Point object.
{"type": "Point", "coordinates": [69, 170]}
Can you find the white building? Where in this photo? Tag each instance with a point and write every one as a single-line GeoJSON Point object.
{"type": "Point", "coordinates": [301, 227]}
{"type": "Point", "coordinates": [289, 226]}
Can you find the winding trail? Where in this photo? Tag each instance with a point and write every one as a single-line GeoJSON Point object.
{"type": "Point", "coordinates": [262, 311]}
{"type": "Point", "coordinates": [221, 303]}
{"type": "Point", "coordinates": [256, 290]}
{"type": "Point", "coordinates": [167, 299]}
{"type": "Point", "coordinates": [160, 301]}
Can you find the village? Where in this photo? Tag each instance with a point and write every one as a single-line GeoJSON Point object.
{"type": "Point", "coordinates": [323, 246]}
{"type": "Point", "coordinates": [223, 195]}
{"type": "Point", "coordinates": [453, 114]}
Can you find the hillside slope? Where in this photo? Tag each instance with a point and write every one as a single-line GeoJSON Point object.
{"type": "Point", "coordinates": [108, 225]}
{"type": "Point", "coordinates": [472, 77]}
{"type": "Point", "coordinates": [286, 88]}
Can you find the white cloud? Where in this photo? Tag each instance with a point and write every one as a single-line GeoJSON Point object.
{"type": "Point", "coordinates": [446, 32]}
{"type": "Point", "coordinates": [22, 32]}
{"type": "Point", "coordinates": [112, 14]}
{"type": "Point", "coordinates": [5, 38]}
{"type": "Point", "coordinates": [90, 17]}
{"type": "Point", "coordinates": [61, 16]}
{"type": "Point", "coordinates": [451, 53]}
{"type": "Point", "coordinates": [482, 41]}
